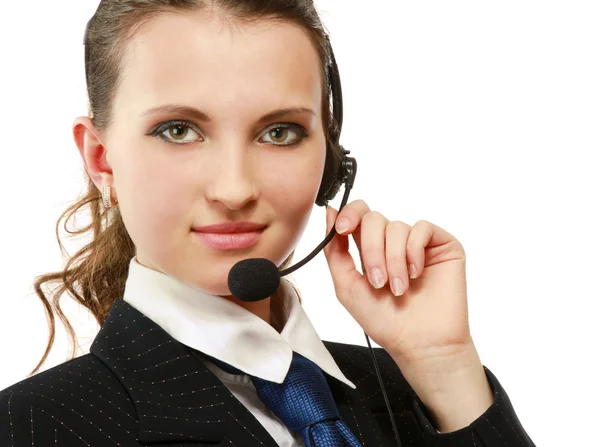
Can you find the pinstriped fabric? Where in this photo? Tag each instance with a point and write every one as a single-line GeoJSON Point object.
{"type": "Point", "coordinates": [65, 404]}
{"type": "Point", "coordinates": [138, 386]}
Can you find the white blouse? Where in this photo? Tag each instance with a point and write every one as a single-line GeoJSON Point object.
{"type": "Point", "coordinates": [228, 332]}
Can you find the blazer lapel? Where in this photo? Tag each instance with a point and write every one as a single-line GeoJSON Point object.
{"type": "Point", "coordinates": [176, 397]}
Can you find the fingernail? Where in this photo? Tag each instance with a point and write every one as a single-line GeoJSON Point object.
{"type": "Point", "coordinates": [413, 271]}
{"type": "Point", "coordinates": [397, 286]}
{"type": "Point", "coordinates": [376, 278]}
{"type": "Point", "coordinates": [342, 225]}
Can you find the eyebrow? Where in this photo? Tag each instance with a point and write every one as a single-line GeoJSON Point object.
{"type": "Point", "coordinates": [202, 116]}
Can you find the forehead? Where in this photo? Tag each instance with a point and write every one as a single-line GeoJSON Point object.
{"type": "Point", "coordinates": [194, 58]}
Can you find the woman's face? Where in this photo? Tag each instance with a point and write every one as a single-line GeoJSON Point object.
{"type": "Point", "coordinates": [231, 163]}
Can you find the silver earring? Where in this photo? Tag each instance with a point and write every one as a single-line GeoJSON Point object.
{"type": "Point", "coordinates": [106, 198]}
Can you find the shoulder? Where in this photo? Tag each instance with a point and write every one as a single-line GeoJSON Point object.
{"type": "Point", "coordinates": [64, 382]}
{"type": "Point", "coordinates": [61, 401]}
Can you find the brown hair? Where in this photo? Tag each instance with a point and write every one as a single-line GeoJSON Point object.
{"type": "Point", "coordinates": [96, 274]}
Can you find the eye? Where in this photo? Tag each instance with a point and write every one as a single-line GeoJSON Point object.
{"type": "Point", "coordinates": [181, 132]}
{"type": "Point", "coordinates": [280, 133]}
{"type": "Point", "coordinates": [176, 132]}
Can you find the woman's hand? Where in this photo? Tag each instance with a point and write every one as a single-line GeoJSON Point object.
{"type": "Point", "coordinates": [429, 318]}
{"type": "Point", "coordinates": [425, 328]}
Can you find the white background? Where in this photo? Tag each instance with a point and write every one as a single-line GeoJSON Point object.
{"type": "Point", "coordinates": [482, 118]}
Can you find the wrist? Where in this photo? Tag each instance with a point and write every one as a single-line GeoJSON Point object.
{"type": "Point", "coordinates": [445, 360]}
{"type": "Point", "coordinates": [452, 386]}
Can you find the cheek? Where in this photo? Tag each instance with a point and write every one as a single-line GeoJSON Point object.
{"type": "Point", "coordinates": [298, 177]}
{"type": "Point", "coordinates": [296, 190]}
{"type": "Point", "coordinates": [293, 194]}
{"type": "Point", "coordinates": [153, 200]}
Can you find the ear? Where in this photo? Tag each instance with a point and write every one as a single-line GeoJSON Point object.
{"type": "Point", "coordinates": [93, 153]}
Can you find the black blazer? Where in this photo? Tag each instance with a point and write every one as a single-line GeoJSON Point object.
{"type": "Point", "coordinates": [139, 386]}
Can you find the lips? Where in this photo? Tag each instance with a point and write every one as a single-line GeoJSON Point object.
{"type": "Point", "coordinates": [230, 227]}
{"type": "Point", "coordinates": [230, 241]}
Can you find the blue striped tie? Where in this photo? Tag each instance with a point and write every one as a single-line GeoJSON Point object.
{"type": "Point", "coordinates": [304, 403]}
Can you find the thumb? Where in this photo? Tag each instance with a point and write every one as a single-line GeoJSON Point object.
{"type": "Point", "coordinates": [339, 260]}
{"type": "Point", "coordinates": [336, 251]}
{"type": "Point", "coordinates": [330, 216]}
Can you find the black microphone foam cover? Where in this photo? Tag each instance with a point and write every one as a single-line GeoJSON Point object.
{"type": "Point", "coordinates": [253, 279]}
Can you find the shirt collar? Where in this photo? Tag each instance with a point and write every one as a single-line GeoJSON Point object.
{"type": "Point", "coordinates": [228, 332]}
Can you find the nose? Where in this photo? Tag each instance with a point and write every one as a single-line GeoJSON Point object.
{"type": "Point", "coordinates": [233, 180]}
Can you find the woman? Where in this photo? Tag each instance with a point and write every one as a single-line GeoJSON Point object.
{"type": "Point", "coordinates": [204, 115]}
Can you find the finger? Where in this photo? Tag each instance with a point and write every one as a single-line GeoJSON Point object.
{"type": "Point", "coordinates": [371, 246]}
{"type": "Point", "coordinates": [350, 216]}
{"type": "Point", "coordinates": [339, 260]}
{"type": "Point", "coordinates": [423, 235]}
{"type": "Point", "coordinates": [395, 252]}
